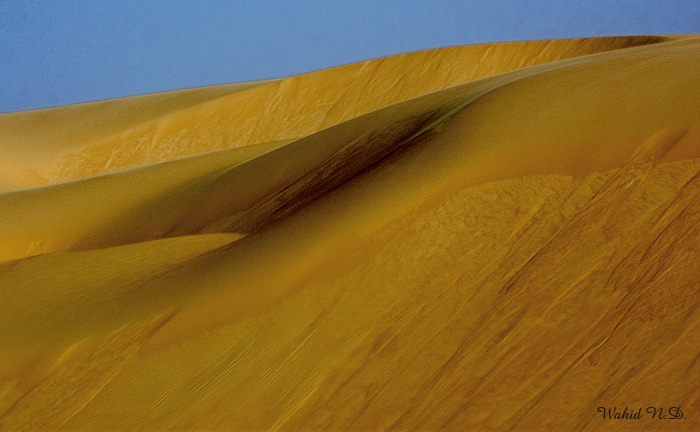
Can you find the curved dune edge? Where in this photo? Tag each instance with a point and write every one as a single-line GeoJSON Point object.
{"type": "Point", "coordinates": [498, 247]}
{"type": "Point", "coordinates": [130, 132]}
{"type": "Point", "coordinates": [103, 211]}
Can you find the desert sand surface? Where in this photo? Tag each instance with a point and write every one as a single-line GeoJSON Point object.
{"type": "Point", "coordinates": [486, 237]}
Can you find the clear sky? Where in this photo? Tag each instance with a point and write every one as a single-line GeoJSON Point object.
{"type": "Point", "coordinates": [68, 51]}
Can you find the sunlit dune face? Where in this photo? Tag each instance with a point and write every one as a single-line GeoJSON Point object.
{"type": "Point", "coordinates": [466, 238]}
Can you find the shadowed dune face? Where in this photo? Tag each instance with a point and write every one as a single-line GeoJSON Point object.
{"type": "Point", "coordinates": [483, 237]}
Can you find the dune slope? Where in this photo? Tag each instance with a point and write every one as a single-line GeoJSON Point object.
{"type": "Point", "coordinates": [497, 237]}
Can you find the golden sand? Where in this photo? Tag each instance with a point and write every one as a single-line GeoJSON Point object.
{"type": "Point", "coordinates": [498, 237]}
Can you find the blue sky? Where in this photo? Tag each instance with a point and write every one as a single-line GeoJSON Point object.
{"type": "Point", "coordinates": [63, 52]}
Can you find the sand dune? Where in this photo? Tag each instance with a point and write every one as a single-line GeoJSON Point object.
{"type": "Point", "coordinates": [106, 210]}
{"type": "Point", "coordinates": [130, 132]}
{"type": "Point", "coordinates": [496, 237]}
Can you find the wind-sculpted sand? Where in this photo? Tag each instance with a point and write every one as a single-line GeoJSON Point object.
{"type": "Point", "coordinates": [490, 237]}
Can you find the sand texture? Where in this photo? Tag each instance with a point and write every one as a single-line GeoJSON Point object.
{"type": "Point", "coordinates": [489, 237]}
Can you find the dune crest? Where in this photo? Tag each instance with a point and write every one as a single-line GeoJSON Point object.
{"type": "Point", "coordinates": [468, 238]}
{"type": "Point", "coordinates": [130, 132]}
